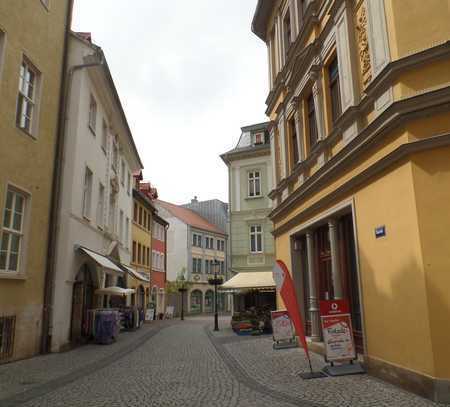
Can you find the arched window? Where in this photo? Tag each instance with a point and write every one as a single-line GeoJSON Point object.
{"type": "Point", "coordinates": [196, 301]}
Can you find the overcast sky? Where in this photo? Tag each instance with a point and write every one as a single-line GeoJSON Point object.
{"type": "Point", "coordinates": [190, 74]}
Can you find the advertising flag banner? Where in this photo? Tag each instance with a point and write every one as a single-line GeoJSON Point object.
{"type": "Point", "coordinates": [285, 286]}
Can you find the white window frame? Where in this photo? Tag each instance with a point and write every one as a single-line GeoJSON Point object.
{"type": "Point", "coordinates": [87, 193]}
{"type": "Point", "coordinates": [253, 229]}
{"type": "Point", "coordinates": [12, 231]}
{"type": "Point", "coordinates": [101, 205]}
{"type": "Point", "coordinates": [252, 179]}
{"type": "Point", "coordinates": [27, 100]}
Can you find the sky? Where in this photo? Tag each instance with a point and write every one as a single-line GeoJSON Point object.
{"type": "Point", "coordinates": [190, 74]}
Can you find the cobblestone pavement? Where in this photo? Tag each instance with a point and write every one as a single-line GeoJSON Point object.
{"type": "Point", "coordinates": [185, 364]}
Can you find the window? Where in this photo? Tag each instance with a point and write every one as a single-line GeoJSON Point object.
{"type": "Point", "coordinates": [100, 205]}
{"type": "Point", "coordinates": [112, 212]}
{"type": "Point", "coordinates": [135, 212]}
{"type": "Point", "coordinates": [115, 158]}
{"type": "Point", "coordinates": [148, 257]}
{"type": "Point", "coordinates": [12, 233]}
{"type": "Point", "coordinates": [254, 184]}
{"type": "Point", "coordinates": [222, 267]}
{"type": "Point", "coordinates": [335, 93]}
{"type": "Point", "coordinates": [258, 138]}
{"type": "Point", "coordinates": [208, 269]}
{"type": "Point", "coordinates": [140, 215]}
{"type": "Point", "coordinates": [287, 31]}
{"type": "Point", "coordinates": [294, 141]}
{"type": "Point", "coordinates": [87, 193]}
{"type": "Point", "coordinates": [129, 183]}
{"type": "Point", "coordinates": [121, 220]}
{"type": "Point", "coordinates": [256, 239]}
{"type": "Point", "coordinates": [122, 173]}
{"type": "Point", "coordinates": [45, 3]}
{"type": "Point", "coordinates": [7, 330]}
{"type": "Point", "coordinates": [196, 240]}
{"type": "Point", "coordinates": [92, 114]}
{"type": "Point", "coordinates": [139, 256]}
{"type": "Point", "coordinates": [149, 222]}
{"type": "Point", "coordinates": [312, 122]}
{"type": "Point", "coordinates": [134, 252]}
{"type": "Point", "coordinates": [209, 243]}
{"type": "Point", "coordinates": [26, 103]}
{"type": "Point", "coordinates": [104, 136]}
{"type": "Point", "coordinates": [127, 233]}
{"type": "Point", "coordinates": [222, 245]}
{"type": "Point", "coordinates": [196, 265]}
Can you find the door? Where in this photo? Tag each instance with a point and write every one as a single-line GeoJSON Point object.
{"type": "Point", "coordinates": [323, 268]}
{"type": "Point", "coordinates": [77, 311]}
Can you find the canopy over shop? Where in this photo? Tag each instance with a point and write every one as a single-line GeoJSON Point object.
{"type": "Point", "coordinates": [254, 297]}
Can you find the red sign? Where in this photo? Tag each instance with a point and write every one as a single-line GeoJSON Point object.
{"type": "Point", "coordinates": [285, 286]}
{"type": "Point", "coordinates": [337, 330]}
{"type": "Point", "coordinates": [334, 307]}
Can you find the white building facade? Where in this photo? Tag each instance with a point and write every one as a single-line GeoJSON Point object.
{"type": "Point", "coordinates": [96, 201]}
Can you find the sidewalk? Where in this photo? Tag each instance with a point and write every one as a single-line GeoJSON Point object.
{"type": "Point", "coordinates": [25, 378]}
{"type": "Point", "coordinates": [278, 371]}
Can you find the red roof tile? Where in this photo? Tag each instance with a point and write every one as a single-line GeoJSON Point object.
{"type": "Point", "coordinates": [190, 217]}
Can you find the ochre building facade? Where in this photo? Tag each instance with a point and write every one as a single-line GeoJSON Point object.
{"type": "Point", "coordinates": [360, 139]}
{"type": "Point", "coordinates": [32, 48]}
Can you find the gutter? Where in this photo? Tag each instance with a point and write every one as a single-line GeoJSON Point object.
{"type": "Point", "coordinates": [54, 223]}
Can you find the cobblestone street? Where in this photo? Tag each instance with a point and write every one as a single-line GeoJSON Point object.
{"type": "Point", "coordinates": [170, 363]}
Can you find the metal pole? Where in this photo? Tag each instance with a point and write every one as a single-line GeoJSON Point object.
{"type": "Point", "coordinates": [216, 316]}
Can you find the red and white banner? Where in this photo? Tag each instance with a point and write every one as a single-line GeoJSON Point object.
{"type": "Point", "coordinates": [337, 330]}
{"type": "Point", "coordinates": [285, 286]}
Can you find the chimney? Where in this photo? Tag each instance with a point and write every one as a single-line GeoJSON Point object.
{"type": "Point", "coordinates": [195, 200]}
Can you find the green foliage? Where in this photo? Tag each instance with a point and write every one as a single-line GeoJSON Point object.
{"type": "Point", "coordinates": [180, 282]}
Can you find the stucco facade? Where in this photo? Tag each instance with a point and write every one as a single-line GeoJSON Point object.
{"type": "Point", "coordinates": [29, 112]}
{"type": "Point", "coordinates": [96, 207]}
{"type": "Point", "coordinates": [247, 208]}
{"type": "Point", "coordinates": [359, 104]}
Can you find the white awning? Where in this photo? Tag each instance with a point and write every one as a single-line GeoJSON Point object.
{"type": "Point", "coordinates": [252, 279]}
{"type": "Point", "coordinates": [102, 261]}
{"type": "Point", "coordinates": [115, 291]}
{"type": "Point", "coordinates": [136, 274]}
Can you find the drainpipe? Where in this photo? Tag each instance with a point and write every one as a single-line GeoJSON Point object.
{"type": "Point", "coordinates": [54, 223]}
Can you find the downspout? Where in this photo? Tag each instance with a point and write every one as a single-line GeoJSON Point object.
{"type": "Point", "coordinates": [49, 290]}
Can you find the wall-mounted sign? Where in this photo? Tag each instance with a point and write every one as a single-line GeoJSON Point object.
{"type": "Point", "coordinates": [337, 330]}
{"type": "Point", "coordinates": [380, 231]}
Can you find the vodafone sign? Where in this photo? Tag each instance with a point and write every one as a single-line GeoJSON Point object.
{"type": "Point", "coordinates": [334, 307]}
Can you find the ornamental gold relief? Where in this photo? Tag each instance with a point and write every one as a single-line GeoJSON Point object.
{"type": "Point", "coordinates": [363, 45]}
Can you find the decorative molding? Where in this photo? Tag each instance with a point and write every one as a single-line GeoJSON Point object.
{"type": "Point", "coordinates": [363, 45]}
{"type": "Point", "coordinates": [398, 154]}
{"type": "Point", "coordinates": [392, 117]}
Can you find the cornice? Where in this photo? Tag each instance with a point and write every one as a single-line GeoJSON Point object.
{"type": "Point", "coordinates": [398, 113]}
{"type": "Point", "coordinates": [395, 156]}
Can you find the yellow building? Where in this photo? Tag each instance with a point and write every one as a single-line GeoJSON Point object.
{"type": "Point", "coordinates": [141, 257]}
{"type": "Point", "coordinates": [360, 107]}
{"type": "Point", "coordinates": [33, 38]}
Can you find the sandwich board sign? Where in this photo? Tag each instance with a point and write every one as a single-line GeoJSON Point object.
{"type": "Point", "coordinates": [283, 331]}
{"type": "Point", "coordinates": [338, 337]}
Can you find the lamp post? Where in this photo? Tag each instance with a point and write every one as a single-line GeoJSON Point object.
{"type": "Point", "coordinates": [216, 281]}
{"type": "Point", "coordinates": [182, 290]}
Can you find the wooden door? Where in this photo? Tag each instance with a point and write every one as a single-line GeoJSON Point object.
{"type": "Point", "coordinates": [77, 311]}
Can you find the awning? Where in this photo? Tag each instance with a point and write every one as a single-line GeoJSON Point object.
{"type": "Point", "coordinates": [136, 274]}
{"type": "Point", "coordinates": [115, 291]}
{"type": "Point", "coordinates": [252, 279]}
{"type": "Point", "coordinates": [102, 261]}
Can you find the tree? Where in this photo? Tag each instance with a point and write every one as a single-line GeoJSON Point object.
{"type": "Point", "coordinates": [180, 282]}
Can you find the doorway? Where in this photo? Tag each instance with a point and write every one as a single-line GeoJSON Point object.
{"type": "Point", "coordinates": [82, 301]}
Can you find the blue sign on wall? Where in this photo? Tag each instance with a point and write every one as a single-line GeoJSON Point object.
{"type": "Point", "coordinates": [380, 231]}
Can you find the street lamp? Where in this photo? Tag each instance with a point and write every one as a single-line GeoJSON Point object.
{"type": "Point", "coordinates": [182, 290]}
{"type": "Point", "coordinates": [216, 281]}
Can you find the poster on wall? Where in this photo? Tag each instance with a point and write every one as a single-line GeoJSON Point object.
{"type": "Point", "coordinates": [337, 330]}
{"type": "Point", "coordinates": [282, 326]}
{"type": "Point", "coordinates": [150, 314]}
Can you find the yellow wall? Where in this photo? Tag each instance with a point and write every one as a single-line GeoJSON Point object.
{"type": "Point", "coordinates": [431, 171]}
{"type": "Point", "coordinates": [25, 161]}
